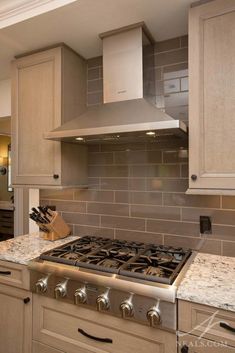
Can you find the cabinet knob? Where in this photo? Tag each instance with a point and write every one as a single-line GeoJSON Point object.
{"type": "Point", "coordinates": [26, 300]}
{"type": "Point", "coordinates": [194, 177]}
{"type": "Point", "coordinates": [184, 349]}
{"type": "Point", "coordinates": [56, 176]}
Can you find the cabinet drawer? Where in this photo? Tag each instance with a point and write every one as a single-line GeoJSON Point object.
{"type": "Point", "coordinates": [201, 345]}
{"type": "Point", "coordinates": [6, 228]}
{"type": "Point", "coordinates": [56, 324]}
{"type": "Point", "coordinates": [6, 216]}
{"type": "Point", "coordinates": [205, 320]}
{"type": "Point", "coordinates": [14, 275]}
{"type": "Point", "coordinates": [42, 348]}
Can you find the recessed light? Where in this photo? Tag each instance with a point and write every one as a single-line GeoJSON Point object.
{"type": "Point", "coordinates": [150, 133]}
{"type": "Point", "coordinates": [79, 138]}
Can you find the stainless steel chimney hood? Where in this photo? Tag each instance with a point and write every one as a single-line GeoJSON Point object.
{"type": "Point", "coordinates": [128, 113]}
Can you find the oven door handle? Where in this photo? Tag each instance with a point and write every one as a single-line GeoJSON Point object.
{"type": "Point", "coordinates": [227, 327]}
{"type": "Point", "coordinates": [99, 339]}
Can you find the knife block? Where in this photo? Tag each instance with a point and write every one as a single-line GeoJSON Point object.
{"type": "Point", "coordinates": [57, 228]}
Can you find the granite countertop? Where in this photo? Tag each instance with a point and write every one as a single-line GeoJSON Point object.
{"type": "Point", "coordinates": [24, 248]}
{"type": "Point", "coordinates": [210, 280]}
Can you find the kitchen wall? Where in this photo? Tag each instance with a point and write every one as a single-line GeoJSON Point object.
{"type": "Point", "coordinates": [137, 192]}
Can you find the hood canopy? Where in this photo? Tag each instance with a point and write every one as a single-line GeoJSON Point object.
{"type": "Point", "coordinates": [128, 113]}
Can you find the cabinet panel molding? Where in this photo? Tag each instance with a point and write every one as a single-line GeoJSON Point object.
{"type": "Point", "coordinates": [211, 98]}
{"type": "Point", "coordinates": [48, 89]}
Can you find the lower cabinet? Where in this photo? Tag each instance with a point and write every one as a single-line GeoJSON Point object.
{"type": "Point", "coordinates": [42, 348]}
{"type": "Point", "coordinates": [196, 344]}
{"type": "Point", "coordinates": [205, 329]}
{"type": "Point", "coordinates": [15, 320]}
{"type": "Point", "coordinates": [76, 329]}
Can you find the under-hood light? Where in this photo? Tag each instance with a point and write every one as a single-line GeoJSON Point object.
{"type": "Point", "coordinates": [151, 133]}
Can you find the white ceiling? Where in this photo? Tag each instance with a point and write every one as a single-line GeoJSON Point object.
{"type": "Point", "coordinates": [79, 24]}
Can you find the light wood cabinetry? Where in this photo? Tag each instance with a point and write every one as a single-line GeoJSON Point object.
{"type": "Point", "coordinates": [211, 98]}
{"type": "Point", "coordinates": [15, 310]}
{"type": "Point", "coordinates": [56, 324]}
{"type": "Point", "coordinates": [6, 224]}
{"type": "Point", "coordinates": [201, 345]}
{"type": "Point", "coordinates": [48, 89]}
{"type": "Point", "coordinates": [42, 348]}
{"type": "Point", "coordinates": [15, 275]}
{"type": "Point", "coordinates": [205, 329]}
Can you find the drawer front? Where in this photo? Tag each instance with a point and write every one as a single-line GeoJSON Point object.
{"type": "Point", "coordinates": [42, 348]}
{"type": "Point", "coordinates": [59, 325]}
{"type": "Point", "coordinates": [6, 216]}
{"type": "Point", "coordinates": [193, 344]}
{"type": "Point", "coordinates": [7, 228]}
{"type": "Point", "coordinates": [14, 275]}
{"type": "Point", "coordinates": [205, 321]}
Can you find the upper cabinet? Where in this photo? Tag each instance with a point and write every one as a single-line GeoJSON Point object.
{"type": "Point", "coordinates": [48, 89]}
{"type": "Point", "coordinates": [212, 98]}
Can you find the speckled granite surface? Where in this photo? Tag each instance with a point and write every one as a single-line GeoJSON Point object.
{"type": "Point", "coordinates": [24, 248]}
{"type": "Point", "coordinates": [210, 280]}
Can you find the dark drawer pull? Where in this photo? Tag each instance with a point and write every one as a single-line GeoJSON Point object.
{"type": "Point", "coordinates": [184, 349]}
{"type": "Point", "coordinates": [5, 273]}
{"type": "Point", "coordinates": [227, 327]}
{"type": "Point", "coordinates": [104, 340]}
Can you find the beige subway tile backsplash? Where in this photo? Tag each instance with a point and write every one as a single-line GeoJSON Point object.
{"type": "Point", "coordinates": [123, 222]}
{"type": "Point", "coordinates": [137, 191]}
{"type": "Point", "coordinates": [171, 57]}
{"type": "Point", "coordinates": [181, 199]}
{"type": "Point", "coordinates": [171, 227]}
{"type": "Point", "coordinates": [167, 45]}
{"type": "Point", "coordinates": [108, 208]}
{"type": "Point", "coordinates": [139, 197]}
{"type": "Point", "coordinates": [155, 212]}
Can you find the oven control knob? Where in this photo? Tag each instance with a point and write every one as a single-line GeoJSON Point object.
{"type": "Point", "coordinates": [154, 316]}
{"type": "Point", "coordinates": [80, 296]}
{"type": "Point", "coordinates": [102, 301]}
{"type": "Point", "coordinates": [126, 308]}
{"type": "Point", "coordinates": [41, 285]}
{"type": "Point", "coordinates": [61, 289]}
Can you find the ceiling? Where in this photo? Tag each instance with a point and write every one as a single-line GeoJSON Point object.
{"type": "Point", "coordinates": [79, 23]}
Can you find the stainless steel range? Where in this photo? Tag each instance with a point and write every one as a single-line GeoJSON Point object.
{"type": "Point", "coordinates": [132, 280]}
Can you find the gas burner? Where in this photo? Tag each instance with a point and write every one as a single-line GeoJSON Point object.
{"type": "Point", "coordinates": [157, 263]}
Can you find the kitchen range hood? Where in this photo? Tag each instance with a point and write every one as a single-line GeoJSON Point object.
{"type": "Point", "coordinates": [129, 113]}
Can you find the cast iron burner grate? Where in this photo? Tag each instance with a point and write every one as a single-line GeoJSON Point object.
{"type": "Point", "coordinates": [157, 263]}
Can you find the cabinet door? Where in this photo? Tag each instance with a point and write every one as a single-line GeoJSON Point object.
{"type": "Point", "coordinates": [36, 109]}
{"type": "Point", "coordinates": [211, 100]}
{"type": "Point", "coordinates": [16, 320]}
{"type": "Point", "coordinates": [193, 344]}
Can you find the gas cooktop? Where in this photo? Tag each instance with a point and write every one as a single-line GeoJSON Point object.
{"type": "Point", "coordinates": [157, 263]}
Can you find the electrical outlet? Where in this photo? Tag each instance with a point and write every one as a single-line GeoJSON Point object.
{"type": "Point", "coordinates": [205, 225]}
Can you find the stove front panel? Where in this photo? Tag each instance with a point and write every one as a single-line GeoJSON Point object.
{"type": "Point", "coordinates": [141, 304]}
